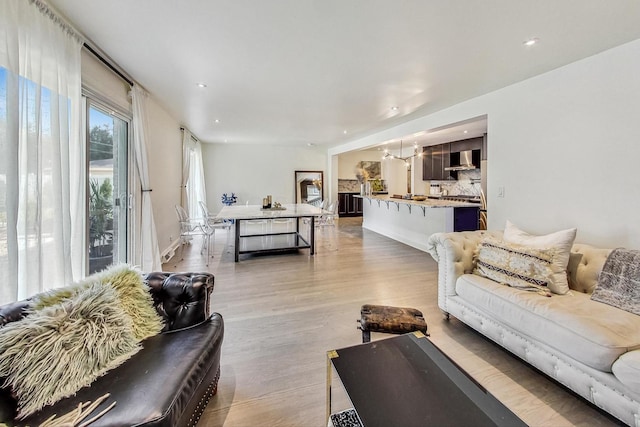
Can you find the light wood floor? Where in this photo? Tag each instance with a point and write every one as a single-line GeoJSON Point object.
{"type": "Point", "coordinates": [283, 312]}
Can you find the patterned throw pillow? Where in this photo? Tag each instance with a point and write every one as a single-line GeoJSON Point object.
{"type": "Point", "coordinates": [561, 241]}
{"type": "Point", "coordinates": [516, 265]}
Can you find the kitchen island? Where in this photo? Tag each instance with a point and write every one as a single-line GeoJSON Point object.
{"type": "Point", "coordinates": [412, 222]}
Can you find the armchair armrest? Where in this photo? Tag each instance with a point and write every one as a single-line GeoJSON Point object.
{"type": "Point", "coordinates": [454, 254]}
{"type": "Point", "coordinates": [182, 299]}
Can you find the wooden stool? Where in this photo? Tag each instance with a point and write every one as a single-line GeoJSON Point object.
{"type": "Point", "coordinates": [391, 320]}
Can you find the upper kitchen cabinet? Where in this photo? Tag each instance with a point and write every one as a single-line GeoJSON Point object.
{"type": "Point", "coordinates": [467, 144]}
{"type": "Point", "coordinates": [435, 159]}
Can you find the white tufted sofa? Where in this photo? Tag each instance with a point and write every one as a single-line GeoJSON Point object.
{"type": "Point", "coordinates": [590, 347]}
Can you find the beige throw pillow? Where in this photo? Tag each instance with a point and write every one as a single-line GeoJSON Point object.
{"type": "Point", "coordinates": [560, 241]}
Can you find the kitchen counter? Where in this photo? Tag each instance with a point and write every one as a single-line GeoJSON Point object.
{"type": "Point", "coordinates": [412, 222]}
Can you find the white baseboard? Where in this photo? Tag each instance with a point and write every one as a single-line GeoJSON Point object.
{"type": "Point", "coordinates": [169, 252]}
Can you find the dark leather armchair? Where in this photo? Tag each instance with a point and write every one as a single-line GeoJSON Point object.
{"type": "Point", "coordinates": [170, 381]}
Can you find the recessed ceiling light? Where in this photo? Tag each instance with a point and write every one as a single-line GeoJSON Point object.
{"type": "Point", "coordinates": [217, 120]}
{"type": "Point", "coordinates": [466, 131]}
{"type": "Point", "coordinates": [201, 85]}
{"type": "Point", "coordinates": [394, 108]}
{"type": "Point", "coordinates": [531, 41]}
{"type": "Point", "coordinates": [344, 131]}
{"type": "Point", "coordinates": [226, 141]}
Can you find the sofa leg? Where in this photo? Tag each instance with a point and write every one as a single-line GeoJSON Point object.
{"type": "Point", "coordinates": [445, 315]}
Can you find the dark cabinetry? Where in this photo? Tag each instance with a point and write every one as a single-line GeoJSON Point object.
{"type": "Point", "coordinates": [466, 144]}
{"type": "Point", "coordinates": [434, 159]}
{"type": "Point", "coordinates": [466, 219]}
{"type": "Point", "coordinates": [349, 205]}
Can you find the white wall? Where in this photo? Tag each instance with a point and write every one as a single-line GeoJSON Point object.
{"type": "Point", "coordinates": [564, 145]}
{"type": "Point", "coordinates": [394, 172]}
{"type": "Point", "coordinates": [253, 171]}
{"type": "Point", "coordinates": [347, 162]}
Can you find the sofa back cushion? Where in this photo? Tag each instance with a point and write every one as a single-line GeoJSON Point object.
{"type": "Point", "coordinates": [182, 299]}
{"type": "Point", "coordinates": [585, 264]}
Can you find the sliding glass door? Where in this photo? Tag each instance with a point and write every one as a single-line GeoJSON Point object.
{"type": "Point", "coordinates": [108, 195]}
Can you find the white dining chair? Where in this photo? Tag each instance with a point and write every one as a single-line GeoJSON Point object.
{"type": "Point", "coordinates": [215, 223]}
{"type": "Point", "coordinates": [329, 215]}
{"type": "Point", "coordinates": [191, 227]}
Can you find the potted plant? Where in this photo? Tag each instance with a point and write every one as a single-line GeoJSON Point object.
{"type": "Point", "coordinates": [100, 224]}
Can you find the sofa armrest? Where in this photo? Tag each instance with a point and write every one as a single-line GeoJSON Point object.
{"type": "Point", "coordinates": [454, 254]}
{"type": "Point", "coordinates": [14, 311]}
{"type": "Point", "coordinates": [182, 299]}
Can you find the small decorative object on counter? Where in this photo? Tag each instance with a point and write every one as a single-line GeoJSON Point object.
{"type": "Point", "coordinates": [277, 206]}
{"type": "Point", "coordinates": [229, 200]}
{"type": "Point", "coordinates": [377, 185]}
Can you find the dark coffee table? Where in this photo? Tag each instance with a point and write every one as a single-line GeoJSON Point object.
{"type": "Point", "coordinates": [407, 381]}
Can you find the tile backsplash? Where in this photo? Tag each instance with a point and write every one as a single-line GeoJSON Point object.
{"type": "Point", "coordinates": [348, 186]}
{"type": "Point", "coordinates": [468, 184]}
{"type": "Point", "coordinates": [353, 185]}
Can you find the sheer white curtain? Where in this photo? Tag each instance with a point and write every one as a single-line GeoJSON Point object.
{"type": "Point", "coordinates": [186, 168]}
{"type": "Point", "coordinates": [148, 239]}
{"type": "Point", "coordinates": [41, 155]}
{"type": "Point", "coordinates": [193, 185]}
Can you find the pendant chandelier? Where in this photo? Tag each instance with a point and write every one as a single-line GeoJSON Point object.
{"type": "Point", "coordinates": [388, 155]}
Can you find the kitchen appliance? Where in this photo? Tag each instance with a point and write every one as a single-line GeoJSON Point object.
{"type": "Point", "coordinates": [465, 164]}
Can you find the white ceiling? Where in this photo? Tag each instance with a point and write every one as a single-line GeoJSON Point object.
{"type": "Point", "coordinates": [306, 71]}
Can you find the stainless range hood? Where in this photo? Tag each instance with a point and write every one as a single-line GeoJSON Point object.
{"type": "Point", "coordinates": [466, 162]}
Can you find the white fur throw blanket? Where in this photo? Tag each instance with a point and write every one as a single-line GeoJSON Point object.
{"type": "Point", "coordinates": [75, 335]}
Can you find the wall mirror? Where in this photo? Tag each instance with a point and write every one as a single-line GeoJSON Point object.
{"type": "Point", "coordinates": [309, 187]}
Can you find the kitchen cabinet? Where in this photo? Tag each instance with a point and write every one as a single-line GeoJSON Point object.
{"type": "Point", "coordinates": [349, 205]}
{"type": "Point", "coordinates": [467, 144]}
{"type": "Point", "coordinates": [435, 159]}
{"type": "Point", "coordinates": [466, 219]}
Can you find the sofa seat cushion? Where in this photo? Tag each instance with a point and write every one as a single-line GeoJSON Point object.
{"type": "Point", "coordinates": [627, 370]}
{"type": "Point", "coordinates": [154, 387]}
{"type": "Point", "coordinates": [593, 333]}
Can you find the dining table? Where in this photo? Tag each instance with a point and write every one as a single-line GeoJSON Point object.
{"type": "Point", "coordinates": [262, 237]}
